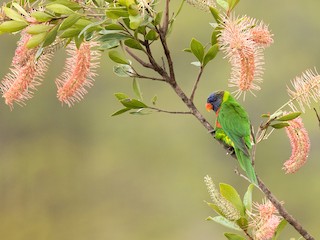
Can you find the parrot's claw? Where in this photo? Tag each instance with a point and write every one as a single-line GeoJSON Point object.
{"type": "Point", "coordinates": [213, 131]}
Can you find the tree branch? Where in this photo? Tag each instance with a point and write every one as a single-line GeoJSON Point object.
{"type": "Point", "coordinates": [196, 83]}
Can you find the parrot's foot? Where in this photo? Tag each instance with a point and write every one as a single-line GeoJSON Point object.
{"type": "Point", "coordinates": [213, 131]}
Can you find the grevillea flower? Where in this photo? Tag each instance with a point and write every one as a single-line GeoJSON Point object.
{"type": "Point", "coordinates": [26, 73]}
{"type": "Point", "coordinates": [202, 4]}
{"type": "Point", "coordinates": [226, 208]}
{"type": "Point", "coordinates": [305, 89]}
{"type": "Point", "coordinates": [300, 145]}
{"type": "Point", "coordinates": [243, 40]}
{"type": "Point", "coordinates": [264, 220]}
{"type": "Point", "coordinates": [78, 73]}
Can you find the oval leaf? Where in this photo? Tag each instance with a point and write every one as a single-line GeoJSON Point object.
{"type": "Point", "coordinates": [123, 110]}
{"type": "Point", "coordinates": [117, 57]}
{"type": "Point", "coordinates": [69, 21]}
{"type": "Point", "coordinates": [121, 96]}
{"type": "Point", "coordinates": [231, 194]}
{"type": "Point", "coordinates": [35, 40]}
{"type": "Point", "coordinates": [12, 26]}
{"type": "Point", "coordinates": [10, 13]}
{"type": "Point", "coordinates": [38, 28]}
{"type": "Point", "coordinates": [211, 54]}
{"type": "Point", "coordinates": [215, 13]}
{"type": "Point", "coordinates": [280, 125]}
{"type": "Point", "coordinates": [247, 199]}
{"type": "Point", "coordinates": [225, 222]}
{"type": "Point", "coordinates": [136, 89]}
{"type": "Point", "coordinates": [132, 43]}
{"type": "Point", "coordinates": [59, 8]}
{"type": "Point", "coordinates": [51, 36]}
{"type": "Point", "coordinates": [232, 236]}
{"type": "Point", "coordinates": [41, 16]}
{"type": "Point", "coordinates": [151, 35]}
{"type": "Point", "coordinates": [133, 103]}
{"type": "Point", "coordinates": [197, 49]}
{"type": "Point", "coordinates": [289, 116]}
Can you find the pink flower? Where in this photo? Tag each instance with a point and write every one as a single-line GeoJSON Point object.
{"type": "Point", "coordinates": [27, 72]}
{"type": "Point", "coordinates": [265, 221]}
{"type": "Point", "coordinates": [243, 43]}
{"type": "Point", "coordinates": [300, 145]}
{"type": "Point", "coordinates": [78, 74]}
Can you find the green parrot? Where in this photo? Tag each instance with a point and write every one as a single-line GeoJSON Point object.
{"type": "Point", "coordinates": [233, 128]}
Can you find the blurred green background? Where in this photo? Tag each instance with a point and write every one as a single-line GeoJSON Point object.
{"type": "Point", "coordinates": [79, 174]}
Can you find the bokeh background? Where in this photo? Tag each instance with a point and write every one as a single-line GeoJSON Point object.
{"type": "Point", "coordinates": [78, 173]}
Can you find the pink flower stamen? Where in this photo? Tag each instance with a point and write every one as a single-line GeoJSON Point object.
{"type": "Point", "coordinates": [300, 145]}
{"type": "Point", "coordinates": [78, 74]}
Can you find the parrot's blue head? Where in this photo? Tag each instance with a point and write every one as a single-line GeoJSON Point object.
{"type": "Point", "coordinates": [214, 101]}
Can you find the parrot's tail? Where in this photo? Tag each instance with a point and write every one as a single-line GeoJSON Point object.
{"type": "Point", "coordinates": [245, 164]}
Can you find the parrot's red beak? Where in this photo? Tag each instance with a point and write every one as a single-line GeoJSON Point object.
{"type": "Point", "coordinates": [209, 107]}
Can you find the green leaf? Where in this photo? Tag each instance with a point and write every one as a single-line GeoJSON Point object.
{"type": "Point", "coordinates": [187, 50]}
{"type": "Point", "coordinates": [117, 57]}
{"type": "Point", "coordinates": [158, 18]}
{"type": "Point", "coordinates": [41, 16]}
{"type": "Point", "coordinates": [123, 110]}
{"type": "Point", "coordinates": [197, 49]}
{"type": "Point", "coordinates": [214, 37]}
{"type": "Point", "coordinates": [247, 199]}
{"type": "Point", "coordinates": [280, 125]}
{"type": "Point", "coordinates": [113, 26]}
{"type": "Point", "coordinates": [151, 35]}
{"type": "Point", "coordinates": [35, 40]}
{"type": "Point", "coordinates": [113, 36]}
{"type": "Point", "coordinates": [136, 89]}
{"type": "Point", "coordinates": [232, 236]}
{"type": "Point", "coordinates": [51, 36]}
{"type": "Point", "coordinates": [224, 4]}
{"type": "Point", "coordinates": [12, 26]}
{"type": "Point", "coordinates": [59, 8]}
{"type": "Point", "coordinates": [70, 32]}
{"type": "Point", "coordinates": [109, 45]}
{"type": "Point", "coordinates": [231, 194]}
{"type": "Point", "coordinates": [10, 13]}
{"type": "Point", "coordinates": [133, 103]}
{"type": "Point", "coordinates": [225, 222]}
{"type": "Point", "coordinates": [38, 28]}
{"type": "Point", "coordinates": [232, 4]}
{"type": "Point", "coordinates": [20, 9]}
{"type": "Point", "coordinates": [279, 229]}
{"type": "Point", "coordinates": [73, 5]}
{"type": "Point", "coordinates": [211, 54]}
{"type": "Point", "coordinates": [132, 43]}
{"type": "Point", "coordinates": [289, 116]}
{"type": "Point", "coordinates": [123, 70]}
{"type": "Point", "coordinates": [91, 26]}
{"type": "Point", "coordinates": [216, 14]}
{"type": "Point", "coordinates": [121, 96]}
{"type": "Point", "coordinates": [265, 115]}
{"type": "Point", "coordinates": [135, 21]}
{"type": "Point", "coordinates": [69, 21]}
{"type": "Point", "coordinates": [115, 13]}
{"type": "Point", "coordinates": [214, 207]}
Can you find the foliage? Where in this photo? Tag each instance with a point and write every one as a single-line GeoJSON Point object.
{"type": "Point", "coordinates": [129, 31]}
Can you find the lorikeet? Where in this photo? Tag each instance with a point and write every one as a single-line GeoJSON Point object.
{"type": "Point", "coordinates": [233, 128]}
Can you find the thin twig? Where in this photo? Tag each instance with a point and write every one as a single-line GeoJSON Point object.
{"type": "Point", "coordinates": [166, 111]}
{"type": "Point", "coordinates": [317, 115]}
{"type": "Point", "coordinates": [195, 86]}
{"type": "Point", "coordinates": [139, 60]}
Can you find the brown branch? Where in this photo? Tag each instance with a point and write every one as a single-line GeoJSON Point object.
{"type": "Point", "coordinates": [283, 212]}
{"type": "Point", "coordinates": [139, 60]}
{"type": "Point", "coordinates": [196, 83]}
{"type": "Point", "coordinates": [166, 111]}
{"type": "Point", "coordinates": [317, 115]}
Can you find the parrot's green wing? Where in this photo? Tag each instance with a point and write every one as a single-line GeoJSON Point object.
{"type": "Point", "coordinates": [235, 122]}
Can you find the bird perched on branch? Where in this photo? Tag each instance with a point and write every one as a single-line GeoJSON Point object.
{"type": "Point", "coordinates": [233, 128]}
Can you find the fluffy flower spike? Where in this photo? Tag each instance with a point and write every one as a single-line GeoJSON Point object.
{"type": "Point", "coordinates": [264, 221]}
{"type": "Point", "coordinates": [305, 89]}
{"type": "Point", "coordinates": [227, 209]}
{"type": "Point", "coordinates": [202, 4]}
{"type": "Point", "coordinates": [243, 40]}
{"type": "Point", "coordinates": [26, 73]}
{"type": "Point", "coordinates": [78, 74]}
{"type": "Point", "coordinates": [300, 145]}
